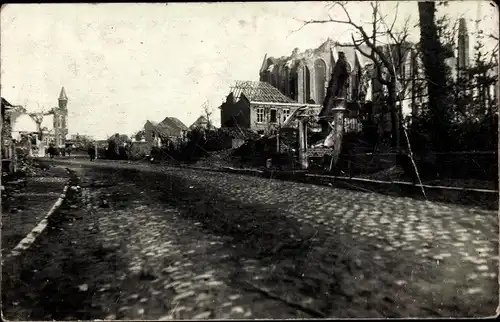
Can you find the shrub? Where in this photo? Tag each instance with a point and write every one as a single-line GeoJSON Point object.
{"type": "Point", "coordinates": [138, 151]}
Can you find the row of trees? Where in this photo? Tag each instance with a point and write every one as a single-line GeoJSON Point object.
{"type": "Point", "coordinates": [118, 147]}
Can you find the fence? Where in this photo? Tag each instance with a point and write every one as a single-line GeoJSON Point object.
{"type": "Point", "coordinates": [464, 166]}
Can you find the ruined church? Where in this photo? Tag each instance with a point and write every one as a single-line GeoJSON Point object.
{"type": "Point", "coordinates": [304, 76]}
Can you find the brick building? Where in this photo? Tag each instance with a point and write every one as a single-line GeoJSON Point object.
{"type": "Point", "coordinates": [170, 129]}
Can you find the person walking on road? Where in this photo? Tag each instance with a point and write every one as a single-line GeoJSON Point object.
{"type": "Point", "coordinates": [91, 152]}
{"type": "Point", "coordinates": [51, 151]}
{"type": "Point", "coordinates": [68, 150]}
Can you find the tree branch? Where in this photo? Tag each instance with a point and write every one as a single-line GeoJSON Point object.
{"type": "Point", "coordinates": [360, 29]}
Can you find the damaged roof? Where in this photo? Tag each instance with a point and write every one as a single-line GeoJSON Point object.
{"type": "Point", "coordinates": [170, 126]}
{"type": "Point", "coordinates": [239, 133]}
{"type": "Point", "coordinates": [173, 123]}
{"type": "Point", "coordinates": [153, 123]}
{"type": "Point", "coordinates": [256, 91]}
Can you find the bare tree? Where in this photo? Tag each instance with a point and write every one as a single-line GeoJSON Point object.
{"type": "Point", "coordinates": [38, 118]}
{"type": "Point", "coordinates": [494, 51]}
{"type": "Point", "coordinates": [387, 57]}
{"type": "Point", "coordinates": [207, 113]}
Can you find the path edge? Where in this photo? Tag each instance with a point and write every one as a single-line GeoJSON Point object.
{"type": "Point", "coordinates": [31, 237]}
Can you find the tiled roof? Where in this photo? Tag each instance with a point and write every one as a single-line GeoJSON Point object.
{"type": "Point", "coordinates": [200, 121]}
{"type": "Point", "coordinates": [170, 126]}
{"type": "Point", "coordinates": [259, 92]}
{"type": "Point", "coordinates": [173, 123]}
{"type": "Point", "coordinates": [166, 131]}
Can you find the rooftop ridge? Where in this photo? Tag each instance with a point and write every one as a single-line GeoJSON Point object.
{"type": "Point", "coordinates": [259, 91]}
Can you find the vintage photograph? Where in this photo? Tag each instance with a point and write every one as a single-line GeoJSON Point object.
{"type": "Point", "coordinates": [260, 160]}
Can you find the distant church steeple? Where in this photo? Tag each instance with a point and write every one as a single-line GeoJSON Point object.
{"type": "Point", "coordinates": [60, 119]}
{"type": "Point", "coordinates": [63, 99]}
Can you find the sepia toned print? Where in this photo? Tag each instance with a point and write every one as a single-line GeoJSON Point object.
{"type": "Point", "coordinates": [264, 160]}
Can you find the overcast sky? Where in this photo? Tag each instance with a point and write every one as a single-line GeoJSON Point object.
{"type": "Point", "coordinates": [122, 64]}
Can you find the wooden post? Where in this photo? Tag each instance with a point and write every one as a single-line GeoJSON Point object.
{"type": "Point", "coordinates": [339, 112]}
{"type": "Point", "coordinates": [305, 135]}
{"type": "Point", "coordinates": [302, 145]}
{"type": "Point", "coordinates": [278, 141]}
{"type": "Point", "coordinates": [14, 159]}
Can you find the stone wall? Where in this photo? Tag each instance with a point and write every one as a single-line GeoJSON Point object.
{"type": "Point", "coordinates": [301, 76]}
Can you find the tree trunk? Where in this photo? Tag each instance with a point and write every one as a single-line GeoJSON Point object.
{"type": "Point", "coordinates": [395, 115]}
{"type": "Point", "coordinates": [433, 56]}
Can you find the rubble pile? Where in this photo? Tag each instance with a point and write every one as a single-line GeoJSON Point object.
{"type": "Point", "coordinates": [29, 168]}
{"type": "Point", "coordinates": [219, 158]}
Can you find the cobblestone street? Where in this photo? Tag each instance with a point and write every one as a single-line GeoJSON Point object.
{"type": "Point", "coordinates": [305, 161]}
{"type": "Point", "coordinates": [167, 243]}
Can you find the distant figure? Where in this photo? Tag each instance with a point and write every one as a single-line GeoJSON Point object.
{"type": "Point", "coordinates": [52, 151]}
{"type": "Point", "coordinates": [68, 150]}
{"type": "Point", "coordinates": [91, 152]}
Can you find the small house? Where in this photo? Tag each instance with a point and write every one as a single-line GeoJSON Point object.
{"type": "Point", "coordinates": [170, 129]}
{"type": "Point", "coordinates": [257, 106]}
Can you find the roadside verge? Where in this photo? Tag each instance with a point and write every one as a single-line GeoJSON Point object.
{"type": "Point", "coordinates": [28, 210]}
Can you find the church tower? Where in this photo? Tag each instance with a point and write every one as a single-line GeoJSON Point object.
{"type": "Point", "coordinates": [60, 119]}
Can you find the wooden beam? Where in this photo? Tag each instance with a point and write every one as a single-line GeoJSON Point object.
{"type": "Point", "coordinates": [302, 146]}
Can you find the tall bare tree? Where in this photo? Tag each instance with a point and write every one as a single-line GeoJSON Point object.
{"type": "Point", "coordinates": [38, 118]}
{"type": "Point", "coordinates": [207, 113]}
{"type": "Point", "coordinates": [387, 54]}
{"type": "Point", "coordinates": [436, 72]}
